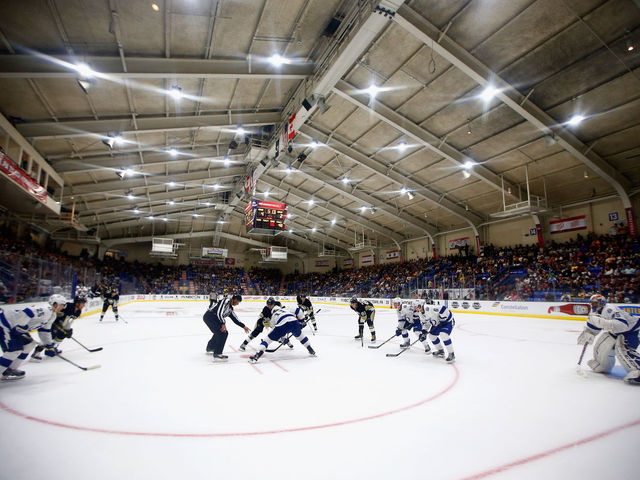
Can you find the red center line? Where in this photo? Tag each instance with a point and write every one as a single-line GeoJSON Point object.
{"type": "Point", "coordinates": [553, 451]}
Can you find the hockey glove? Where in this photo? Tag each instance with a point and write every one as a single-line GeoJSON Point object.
{"type": "Point", "coordinates": [587, 336]}
{"type": "Point", "coordinates": [69, 333]}
{"type": "Point", "coordinates": [398, 332]}
{"type": "Point", "coordinates": [24, 338]}
{"type": "Point", "coordinates": [422, 337]}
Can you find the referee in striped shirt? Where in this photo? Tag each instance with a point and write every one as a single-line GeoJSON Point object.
{"type": "Point", "coordinates": [215, 320]}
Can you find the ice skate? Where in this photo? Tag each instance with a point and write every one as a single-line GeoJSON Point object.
{"type": "Point", "coordinates": [405, 345]}
{"type": "Point", "coordinates": [439, 353]}
{"type": "Point", "coordinates": [311, 351]}
{"type": "Point", "coordinates": [256, 357]}
{"type": "Point", "coordinates": [12, 374]}
{"type": "Point", "coordinates": [243, 347]}
{"type": "Point", "coordinates": [427, 349]}
{"type": "Point", "coordinates": [450, 358]}
{"type": "Point", "coordinates": [219, 356]}
{"type": "Point", "coordinates": [358, 337]}
{"type": "Point", "coordinates": [373, 338]}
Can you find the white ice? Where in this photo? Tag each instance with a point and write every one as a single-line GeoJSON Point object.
{"type": "Point", "coordinates": [511, 407]}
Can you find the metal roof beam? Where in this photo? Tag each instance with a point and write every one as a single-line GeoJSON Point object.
{"type": "Point", "coordinates": [202, 177]}
{"type": "Point", "coordinates": [352, 217]}
{"type": "Point", "coordinates": [422, 136]}
{"type": "Point", "coordinates": [145, 124]}
{"type": "Point", "coordinates": [110, 68]}
{"type": "Point", "coordinates": [383, 170]}
{"type": "Point", "coordinates": [443, 45]}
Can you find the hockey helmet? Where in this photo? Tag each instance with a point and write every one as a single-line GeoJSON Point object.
{"type": "Point", "coordinates": [80, 299]}
{"type": "Point", "coordinates": [271, 301]}
{"type": "Point", "coordinates": [417, 304]}
{"type": "Point", "coordinates": [57, 299]}
{"type": "Point", "coordinates": [303, 295]}
{"type": "Point", "coordinates": [396, 302]}
{"type": "Point", "coordinates": [597, 302]}
{"type": "Point", "coordinates": [353, 300]}
{"type": "Point", "coordinates": [237, 297]}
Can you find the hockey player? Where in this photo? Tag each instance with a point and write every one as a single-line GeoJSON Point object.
{"type": "Point", "coordinates": [619, 338]}
{"type": "Point", "coordinates": [305, 304]}
{"type": "Point", "coordinates": [411, 316]}
{"type": "Point", "coordinates": [110, 296]}
{"type": "Point", "coordinates": [215, 298]}
{"type": "Point", "coordinates": [283, 322]}
{"type": "Point", "coordinates": [263, 321]}
{"type": "Point", "coordinates": [438, 321]}
{"type": "Point", "coordinates": [366, 313]}
{"type": "Point", "coordinates": [61, 327]}
{"type": "Point", "coordinates": [15, 339]}
{"type": "Point", "coordinates": [215, 320]}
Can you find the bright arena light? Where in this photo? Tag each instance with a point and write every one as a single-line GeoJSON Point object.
{"type": "Point", "coordinates": [488, 93]}
{"type": "Point", "coordinates": [84, 70]}
{"type": "Point", "coordinates": [373, 90]}
{"type": "Point", "coordinates": [575, 120]}
{"type": "Point", "coordinates": [277, 60]}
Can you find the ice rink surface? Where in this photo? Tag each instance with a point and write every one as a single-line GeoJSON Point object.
{"type": "Point", "coordinates": [511, 407]}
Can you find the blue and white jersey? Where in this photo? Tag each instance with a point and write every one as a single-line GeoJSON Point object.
{"type": "Point", "coordinates": [25, 319]}
{"type": "Point", "coordinates": [616, 320]}
{"type": "Point", "coordinates": [405, 313]}
{"type": "Point", "coordinates": [436, 315]}
{"type": "Point", "coordinates": [283, 316]}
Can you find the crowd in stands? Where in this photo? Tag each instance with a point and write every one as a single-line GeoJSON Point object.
{"type": "Point", "coordinates": [571, 270]}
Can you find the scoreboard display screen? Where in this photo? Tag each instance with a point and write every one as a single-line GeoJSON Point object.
{"type": "Point", "coordinates": [264, 217]}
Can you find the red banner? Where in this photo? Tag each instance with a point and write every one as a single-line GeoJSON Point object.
{"type": "Point", "coordinates": [367, 258]}
{"type": "Point", "coordinates": [458, 242]}
{"type": "Point", "coordinates": [631, 222]}
{"type": "Point", "coordinates": [568, 224]}
{"type": "Point", "coordinates": [229, 261]}
{"type": "Point", "coordinates": [21, 178]}
{"type": "Point", "coordinates": [393, 254]}
{"type": "Point", "coordinates": [347, 262]}
{"type": "Point", "coordinates": [322, 263]}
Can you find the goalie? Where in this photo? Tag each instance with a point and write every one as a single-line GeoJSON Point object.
{"type": "Point", "coordinates": [618, 338]}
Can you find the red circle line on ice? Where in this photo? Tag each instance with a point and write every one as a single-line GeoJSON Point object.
{"type": "Point", "coordinates": [236, 434]}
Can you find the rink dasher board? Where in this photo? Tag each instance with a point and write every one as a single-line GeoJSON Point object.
{"type": "Point", "coordinates": [479, 307]}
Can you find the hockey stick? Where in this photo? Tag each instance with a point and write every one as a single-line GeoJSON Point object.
{"type": "Point", "coordinates": [579, 370]}
{"type": "Point", "coordinates": [378, 346]}
{"type": "Point", "coordinates": [281, 344]}
{"type": "Point", "coordinates": [93, 367]}
{"type": "Point", "coordinates": [87, 349]}
{"type": "Point", "coordinates": [403, 350]}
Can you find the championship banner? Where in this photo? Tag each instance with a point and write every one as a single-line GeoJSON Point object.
{"type": "Point", "coordinates": [214, 252]}
{"type": "Point", "coordinates": [367, 258]}
{"type": "Point", "coordinates": [229, 261]}
{"type": "Point", "coordinates": [458, 243]}
{"type": "Point", "coordinates": [21, 178]}
{"type": "Point", "coordinates": [393, 254]}
{"type": "Point", "coordinates": [322, 263]}
{"type": "Point", "coordinates": [568, 224]}
{"type": "Point", "coordinates": [347, 262]}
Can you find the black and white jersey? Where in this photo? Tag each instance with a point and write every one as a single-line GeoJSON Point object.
{"type": "Point", "coordinates": [223, 309]}
{"type": "Point", "coordinates": [306, 303]}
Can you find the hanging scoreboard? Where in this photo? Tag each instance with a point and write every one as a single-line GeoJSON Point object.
{"type": "Point", "coordinates": [265, 218]}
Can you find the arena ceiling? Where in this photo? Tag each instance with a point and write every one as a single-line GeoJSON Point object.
{"type": "Point", "coordinates": [471, 98]}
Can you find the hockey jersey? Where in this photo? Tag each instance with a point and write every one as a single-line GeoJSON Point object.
{"type": "Point", "coordinates": [26, 319]}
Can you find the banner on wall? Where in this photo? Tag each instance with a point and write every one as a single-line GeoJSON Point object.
{"type": "Point", "coordinates": [229, 261]}
{"type": "Point", "coordinates": [322, 263]}
{"type": "Point", "coordinates": [458, 243]}
{"type": "Point", "coordinates": [568, 224]}
{"type": "Point", "coordinates": [367, 258]}
{"type": "Point", "coordinates": [347, 262]}
{"type": "Point", "coordinates": [214, 252]}
{"type": "Point", "coordinates": [218, 262]}
{"type": "Point", "coordinates": [21, 178]}
{"type": "Point", "coordinates": [393, 254]}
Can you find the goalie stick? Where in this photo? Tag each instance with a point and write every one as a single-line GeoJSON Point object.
{"type": "Point", "coordinates": [579, 370]}
{"type": "Point", "coordinates": [403, 350]}
{"type": "Point", "coordinates": [87, 349]}
{"type": "Point", "coordinates": [93, 367]}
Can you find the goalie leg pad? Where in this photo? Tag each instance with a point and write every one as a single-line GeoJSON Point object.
{"type": "Point", "coordinates": [603, 354]}
{"type": "Point", "coordinates": [627, 355]}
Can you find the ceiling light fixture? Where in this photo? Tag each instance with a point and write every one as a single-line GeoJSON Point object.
{"type": "Point", "coordinates": [630, 46]}
{"type": "Point", "coordinates": [173, 152]}
{"type": "Point", "coordinates": [333, 221]}
{"type": "Point", "coordinates": [135, 210]}
{"type": "Point", "coordinates": [130, 196]}
{"type": "Point", "coordinates": [277, 60]}
{"type": "Point", "coordinates": [314, 144]}
{"type": "Point", "coordinates": [266, 194]}
{"type": "Point", "coordinates": [312, 201]}
{"type": "Point", "coordinates": [575, 120]}
{"type": "Point", "coordinates": [403, 190]}
{"type": "Point", "coordinates": [172, 183]}
{"type": "Point", "coordinates": [488, 93]}
{"type": "Point", "coordinates": [373, 90]}
{"type": "Point", "coordinates": [175, 92]}
{"type": "Point", "coordinates": [586, 174]}
{"type": "Point", "coordinates": [363, 208]}
{"type": "Point", "coordinates": [84, 70]}
{"type": "Point", "coordinates": [410, 195]}
{"type": "Point", "coordinates": [313, 229]}
{"type": "Point", "coordinates": [226, 161]}
{"type": "Point", "coordinates": [468, 165]}
{"type": "Point", "coordinates": [345, 180]}
{"type": "Point", "coordinates": [240, 131]}
{"type": "Point", "coordinates": [402, 146]}
{"type": "Point", "coordinates": [465, 174]}
{"type": "Point", "coordinates": [171, 202]}
{"type": "Point", "coordinates": [216, 186]}
{"type": "Point", "coordinates": [155, 7]}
